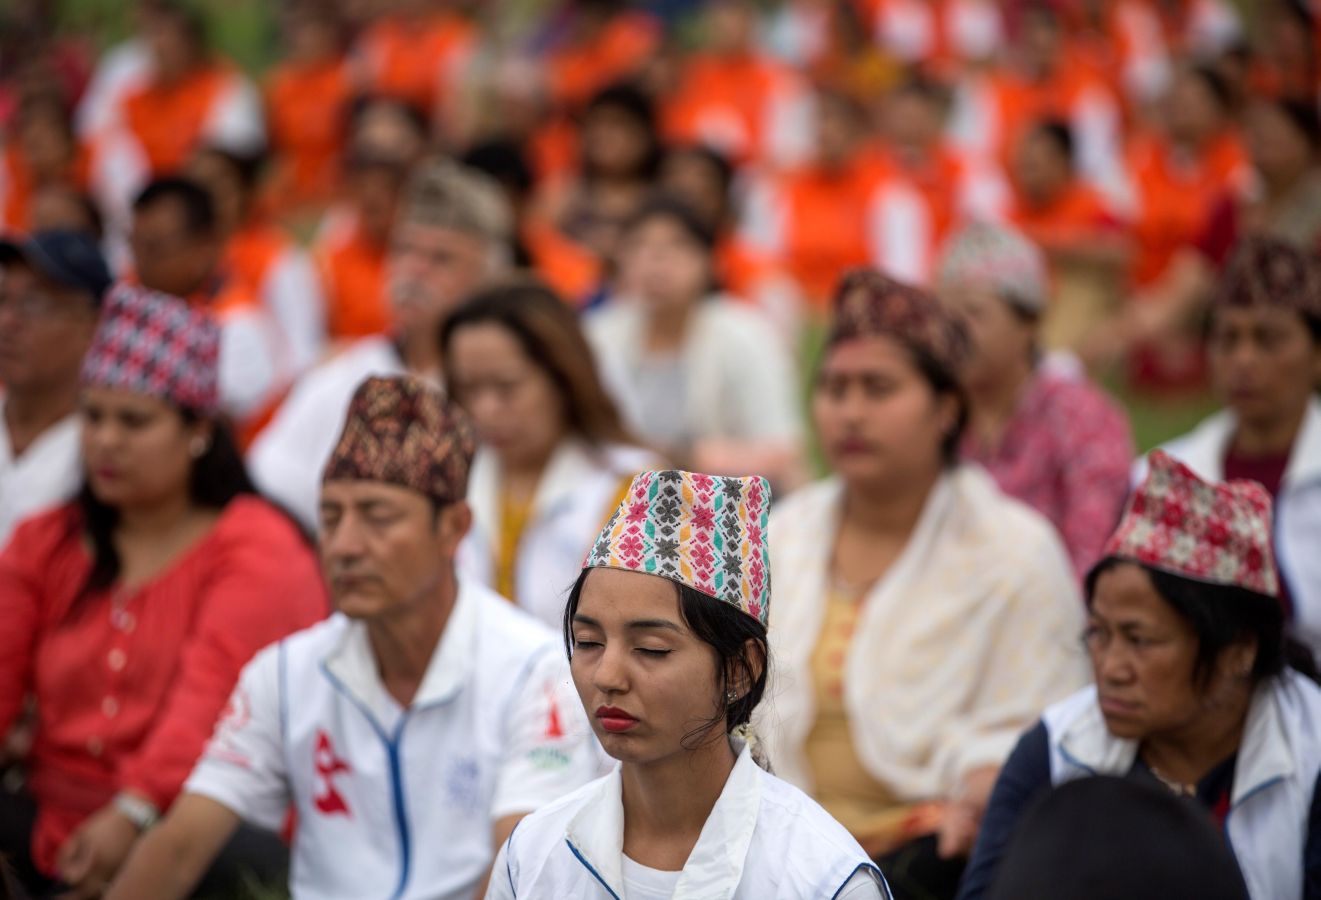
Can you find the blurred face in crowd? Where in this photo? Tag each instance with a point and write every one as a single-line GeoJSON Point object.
{"type": "Point", "coordinates": [137, 450]}
{"type": "Point", "coordinates": [311, 35]}
{"type": "Point", "coordinates": [166, 255]}
{"type": "Point", "coordinates": [879, 421]}
{"type": "Point", "coordinates": [646, 681]}
{"type": "Point", "coordinates": [1279, 150]}
{"type": "Point", "coordinates": [1002, 339]}
{"type": "Point", "coordinates": [430, 270]}
{"type": "Point", "coordinates": [58, 206]}
{"type": "Point", "coordinates": [46, 140]}
{"type": "Point", "coordinates": [1192, 111]}
{"type": "Point", "coordinates": [214, 173]}
{"type": "Point", "coordinates": [45, 329]}
{"type": "Point", "coordinates": [1264, 362]}
{"type": "Point", "coordinates": [385, 131]}
{"type": "Point", "coordinates": [385, 549]}
{"type": "Point", "coordinates": [694, 180]}
{"type": "Point", "coordinates": [615, 143]}
{"type": "Point", "coordinates": [374, 191]}
{"type": "Point", "coordinates": [513, 401]}
{"type": "Point", "coordinates": [1144, 658]}
{"type": "Point", "coordinates": [838, 130]}
{"type": "Point", "coordinates": [1041, 167]}
{"type": "Point", "coordinates": [666, 265]}
{"type": "Point", "coordinates": [731, 26]}
{"type": "Point", "coordinates": [913, 123]}
{"type": "Point", "coordinates": [174, 48]}
{"type": "Point", "coordinates": [1040, 42]}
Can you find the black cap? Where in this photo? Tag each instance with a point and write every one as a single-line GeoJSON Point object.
{"type": "Point", "coordinates": [71, 258]}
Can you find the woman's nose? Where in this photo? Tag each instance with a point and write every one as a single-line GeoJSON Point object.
{"type": "Point", "coordinates": [610, 676]}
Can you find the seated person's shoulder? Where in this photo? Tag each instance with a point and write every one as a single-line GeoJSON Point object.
{"type": "Point", "coordinates": [44, 536]}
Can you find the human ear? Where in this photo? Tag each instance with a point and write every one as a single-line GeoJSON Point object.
{"type": "Point", "coordinates": [745, 671]}
{"type": "Point", "coordinates": [452, 526]}
{"type": "Point", "coordinates": [1239, 659]}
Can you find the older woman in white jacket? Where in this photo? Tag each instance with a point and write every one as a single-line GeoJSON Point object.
{"type": "Point", "coordinates": [666, 629]}
{"type": "Point", "coordinates": [923, 618]}
{"type": "Point", "coordinates": [554, 457]}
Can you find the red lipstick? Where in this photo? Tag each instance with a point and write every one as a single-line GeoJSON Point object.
{"type": "Point", "coordinates": [614, 719]}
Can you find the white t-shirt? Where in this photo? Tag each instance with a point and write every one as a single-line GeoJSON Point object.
{"type": "Point", "coordinates": [643, 883]}
{"type": "Point", "coordinates": [392, 801]}
{"type": "Point", "coordinates": [46, 475]}
{"type": "Point", "coordinates": [287, 458]}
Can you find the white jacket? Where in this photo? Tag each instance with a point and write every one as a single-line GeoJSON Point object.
{"type": "Point", "coordinates": [391, 802]}
{"type": "Point", "coordinates": [577, 493]}
{"type": "Point", "coordinates": [1274, 777]}
{"type": "Point", "coordinates": [764, 839]}
{"type": "Point", "coordinates": [1297, 509]}
{"type": "Point", "coordinates": [741, 382]}
{"type": "Point", "coordinates": [970, 634]}
{"type": "Point", "coordinates": [288, 456]}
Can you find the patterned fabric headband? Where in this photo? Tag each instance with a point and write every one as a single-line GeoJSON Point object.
{"type": "Point", "coordinates": [705, 531]}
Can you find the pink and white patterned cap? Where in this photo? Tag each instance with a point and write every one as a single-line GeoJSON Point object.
{"type": "Point", "coordinates": [1217, 533]}
{"type": "Point", "coordinates": [155, 344]}
{"type": "Point", "coordinates": [999, 258]}
{"type": "Point", "coordinates": [705, 531]}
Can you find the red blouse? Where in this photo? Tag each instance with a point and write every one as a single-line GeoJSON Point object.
{"type": "Point", "coordinates": [128, 684]}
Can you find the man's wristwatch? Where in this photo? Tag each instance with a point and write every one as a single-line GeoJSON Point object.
{"type": "Point", "coordinates": [142, 813]}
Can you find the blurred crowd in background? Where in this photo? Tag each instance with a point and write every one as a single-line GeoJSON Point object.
{"type": "Point", "coordinates": [615, 234]}
{"type": "Point", "coordinates": [1131, 140]}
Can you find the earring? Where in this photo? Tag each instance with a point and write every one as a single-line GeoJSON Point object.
{"type": "Point", "coordinates": [198, 446]}
{"type": "Point", "coordinates": [731, 697]}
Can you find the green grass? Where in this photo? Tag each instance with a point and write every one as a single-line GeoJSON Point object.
{"type": "Point", "coordinates": [243, 30]}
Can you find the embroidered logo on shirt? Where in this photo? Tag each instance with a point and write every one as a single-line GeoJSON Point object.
{"type": "Point", "coordinates": [328, 765]}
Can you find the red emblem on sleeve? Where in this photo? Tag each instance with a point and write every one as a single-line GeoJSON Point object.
{"type": "Point", "coordinates": [328, 800]}
{"type": "Point", "coordinates": [553, 727]}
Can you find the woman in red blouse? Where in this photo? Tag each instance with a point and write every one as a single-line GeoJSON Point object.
{"type": "Point", "coordinates": [129, 612]}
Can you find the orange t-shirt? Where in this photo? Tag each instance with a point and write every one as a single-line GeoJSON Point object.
{"type": "Point", "coordinates": [938, 176]}
{"type": "Point", "coordinates": [168, 120]}
{"type": "Point", "coordinates": [18, 188]}
{"type": "Point", "coordinates": [724, 101]}
{"type": "Point", "coordinates": [1175, 197]}
{"type": "Point", "coordinates": [741, 268]}
{"type": "Point", "coordinates": [353, 270]}
{"type": "Point", "coordinates": [825, 220]}
{"type": "Point", "coordinates": [570, 269]}
{"type": "Point", "coordinates": [306, 108]}
{"type": "Point", "coordinates": [412, 60]}
{"type": "Point", "coordinates": [251, 252]}
{"type": "Point", "coordinates": [623, 46]}
{"type": "Point", "coordinates": [1076, 214]}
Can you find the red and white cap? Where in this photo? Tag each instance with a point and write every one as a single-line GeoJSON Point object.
{"type": "Point", "coordinates": [1216, 533]}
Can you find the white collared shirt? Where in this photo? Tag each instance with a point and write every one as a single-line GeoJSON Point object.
{"type": "Point", "coordinates": [45, 475]}
{"type": "Point", "coordinates": [391, 801]}
{"type": "Point", "coordinates": [763, 839]}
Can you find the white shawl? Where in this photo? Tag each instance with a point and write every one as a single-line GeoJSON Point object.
{"type": "Point", "coordinates": [970, 635]}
